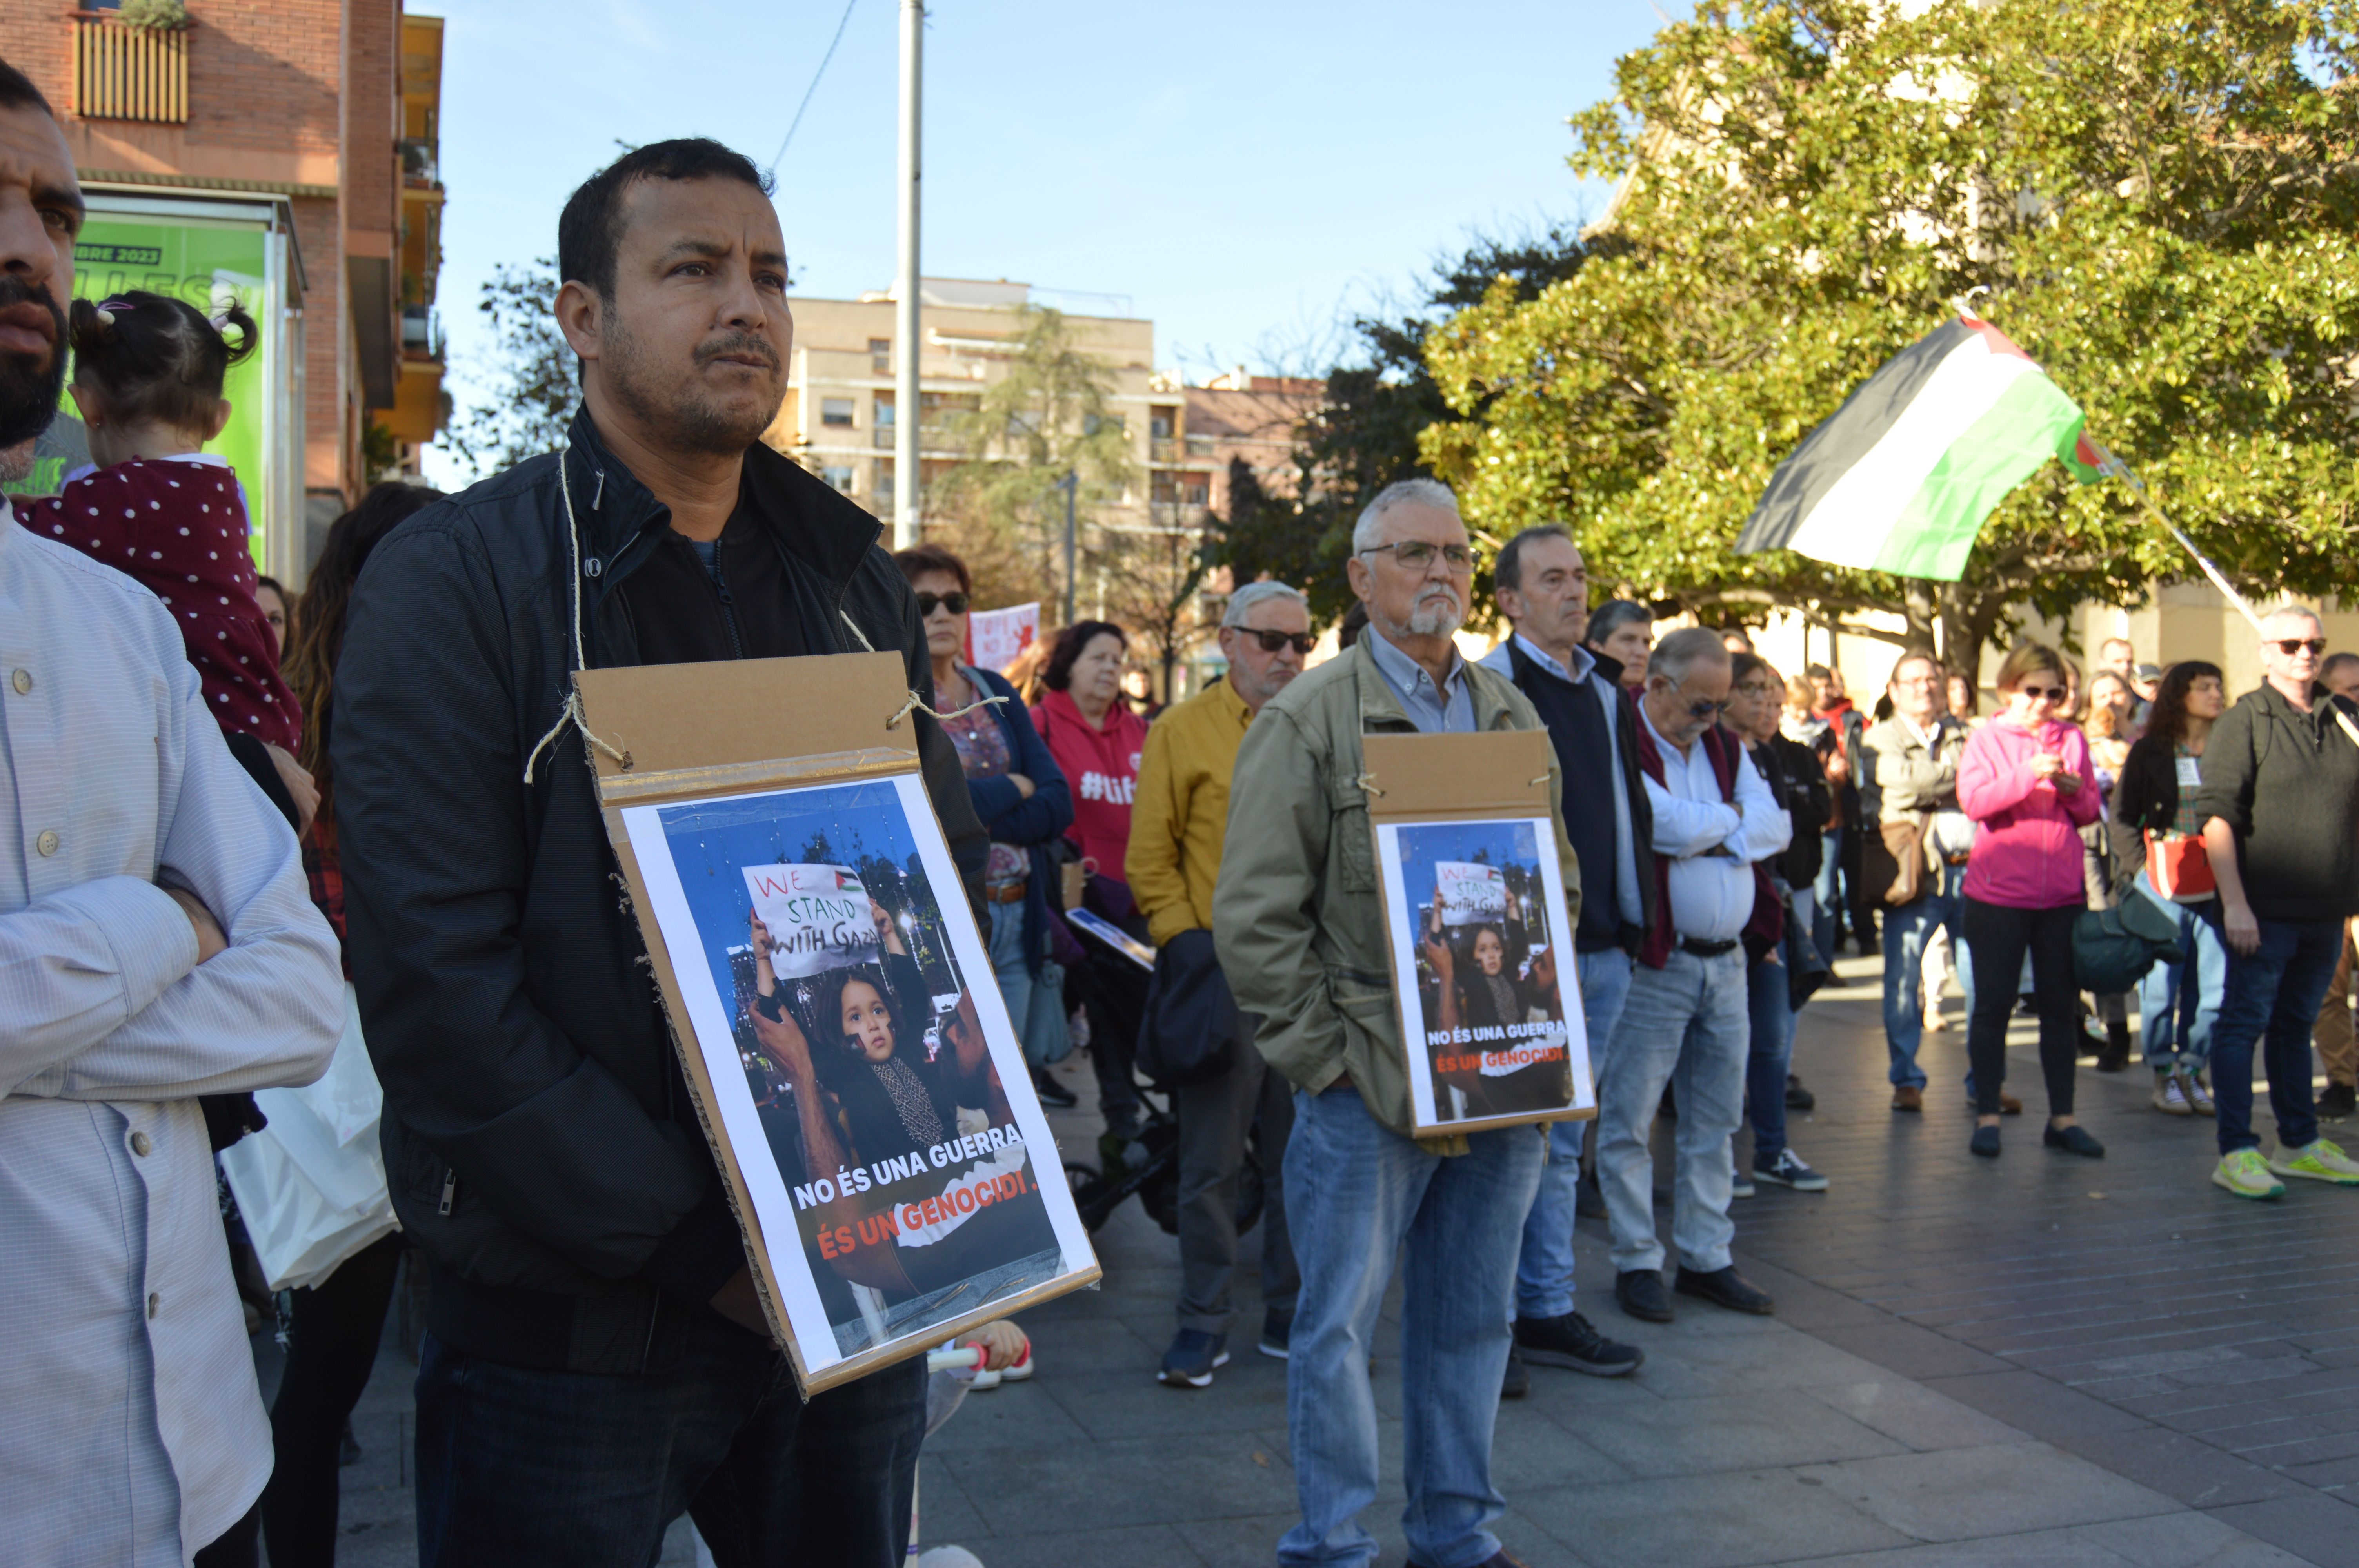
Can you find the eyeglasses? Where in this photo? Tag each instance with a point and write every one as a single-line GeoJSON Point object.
{"type": "Point", "coordinates": [2290, 646]}
{"type": "Point", "coordinates": [1707, 710]}
{"type": "Point", "coordinates": [2045, 693]}
{"type": "Point", "coordinates": [1271, 642]}
{"type": "Point", "coordinates": [956, 603]}
{"type": "Point", "coordinates": [1417, 555]}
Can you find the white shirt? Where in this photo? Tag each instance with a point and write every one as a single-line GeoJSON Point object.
{"type": "Point", "coordinates": [1628, 900]}
{"type": "Point", "coordinates": [1712, 895]}
{"type": "Point", "coordinates": [131, 1432]}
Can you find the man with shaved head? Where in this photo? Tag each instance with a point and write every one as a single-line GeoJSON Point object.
{"type": "Point", "coordinates": [2279, 805]}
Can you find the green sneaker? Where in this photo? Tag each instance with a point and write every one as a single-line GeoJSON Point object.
{"type": "Point", "coordinates": [2321, 1162]}
{"type": "Point", "coordinates": [2246, 1174]}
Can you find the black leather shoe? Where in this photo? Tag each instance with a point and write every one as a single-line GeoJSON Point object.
{"type": "Point", "coordinates": [1640, 1293]}
{"type": "Point", "coordinates": [1725, 1288]}
{"type": "Point", "coordinates": [2074, 1140]}
{"type": "Point", "coordinates": [1516, 1381]}
{"type": "Point", "coordinates": [1984, 1142]}
{"type": "Point", "coordinates": [1052, 1092]}
{"type": "Point", "coordinates": [1796, 1096]}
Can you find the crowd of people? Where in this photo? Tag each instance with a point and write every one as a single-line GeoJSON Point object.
{"type": "Point", "coordinates": [229, 800]}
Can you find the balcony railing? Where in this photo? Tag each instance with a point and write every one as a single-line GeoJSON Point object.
{"type": "Point", "coordinates": [130, 73]}
{"type": "Point", "coordinates": [1162, 449]}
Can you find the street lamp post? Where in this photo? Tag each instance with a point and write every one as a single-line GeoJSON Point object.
{"type": "Point", "coordinates": [1069, 484]}
{"type": "Point", "coordinates": [906, 415]}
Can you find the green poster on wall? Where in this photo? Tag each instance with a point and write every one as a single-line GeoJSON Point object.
{"type": "Point", "coordinates": [206, 262]}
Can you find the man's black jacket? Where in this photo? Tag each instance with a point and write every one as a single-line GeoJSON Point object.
{"type": "Point", "coordinates": [538, 1141]}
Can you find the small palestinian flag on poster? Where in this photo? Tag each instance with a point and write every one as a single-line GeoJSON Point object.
{"type": "Point", "coordinates": [1902, 476]}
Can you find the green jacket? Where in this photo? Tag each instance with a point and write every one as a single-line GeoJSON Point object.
{"type": "Point", "coordinates": [1296, 917]}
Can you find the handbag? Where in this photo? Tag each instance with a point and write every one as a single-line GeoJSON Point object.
{"type": "Point", "coordinates": [2178, 866]}
{"type": "Point", "coordinates": [1192, 1026]}
{"type": "Point", "coordinates": [1892, 864]}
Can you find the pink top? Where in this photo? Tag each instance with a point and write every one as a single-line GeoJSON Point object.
{"type": "Point", "coordinates": [2028, 853]}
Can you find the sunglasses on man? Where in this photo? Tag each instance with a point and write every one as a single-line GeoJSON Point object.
{"type": "Point", "coordinates": [2290, 646]}
{"type": "Point", "coordinates": [1271, 642]}
{"type": "Point", "coordinates": [956, 603]}
{"type": "Point", "coordinates": [1418, 554]}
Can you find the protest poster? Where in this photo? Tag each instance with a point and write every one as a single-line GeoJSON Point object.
{"type": "Point", "coordinates": [854, 1067]}
{"type": "Point", "coordinates": [996, 638]}
{"type": "Point", "coordinates": [1477, 931]}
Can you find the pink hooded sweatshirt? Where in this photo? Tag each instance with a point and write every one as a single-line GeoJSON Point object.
{"type": "Point", "coordinates": [2026, 853]}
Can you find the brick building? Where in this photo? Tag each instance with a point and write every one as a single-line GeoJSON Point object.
{"type": "Point", "coordinates": [281, 151]}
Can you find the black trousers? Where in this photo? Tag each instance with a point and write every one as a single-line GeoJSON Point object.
{"type": "Point", "coordinates": [332, 1345]}
{"type": "Point", "coordinates": [1999, 936]}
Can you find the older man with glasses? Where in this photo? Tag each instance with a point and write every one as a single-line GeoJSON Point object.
{"type": "Point", "coordinates": [1178, 823]}
{"type": "Point", "coordinates": [2280, 794]}
{"type": "Point", "coordinates": [1685, 1022]}
{"type": "Point", "coordinates": [1301, 938]}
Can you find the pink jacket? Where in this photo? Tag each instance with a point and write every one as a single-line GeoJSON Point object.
{"type": "Point", "coordinates": [2027, 852]}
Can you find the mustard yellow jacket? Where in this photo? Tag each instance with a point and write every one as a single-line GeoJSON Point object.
{"type": "Point", "coordinates": [1180, 817]}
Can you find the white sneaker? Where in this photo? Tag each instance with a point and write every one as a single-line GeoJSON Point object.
{"type": "Point", "coordinates": [1740, 1184]}
{"type": "Point", "coordinates": [983, 1380]}
{"type": "Point", "coordinates": [2170, 1095]}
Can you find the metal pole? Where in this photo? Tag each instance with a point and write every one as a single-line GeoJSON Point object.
{"type": "Point", "coordinates": [906, 415]}
{"type": "Point", "coordinates": [1070, 484]}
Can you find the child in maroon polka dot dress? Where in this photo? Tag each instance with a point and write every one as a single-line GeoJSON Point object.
{"type": "Point", "coordinates": [147, 377]}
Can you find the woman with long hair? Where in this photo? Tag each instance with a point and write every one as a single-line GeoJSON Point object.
{"type": "Point", "coordinates": [2179, 999]}
{"type": "Point", "coordinates": [1478, 987]}
{"type": "Point", "coordinates": [334, 1325]}
{"type": "Point", "coordinates": [2026, 782]}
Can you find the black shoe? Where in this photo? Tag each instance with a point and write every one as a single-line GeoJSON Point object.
{"type": "Point", "coordinates": [2336, 1101]}
{"type": "Point", "coordinates": [1276, 1334]}
{"type": "Point", "coordinates": [1571, 1341]}
{"type": "Point", "coordinates": [1192, 1358]}
{"type": "Point", "coordinates": [1984, 1142]}
{"type": "Point", "coordinates": [1796, 1096]}
{"type": "Point", "coordinates": [1516, 1381]}
{"type": "Point", "coordinates": [1052, 1092]}
{"type": "Point", "coordinates": [2116, 1054]}
{"type": "Point", "coordinates": [2074, 1140]}
{"type": "Point", "coordinates": [1725, 1288]}
{"type": "Point", "coordinates": [1589, 1201]}
{"type": "Point", "coordinates": [1640, 1293]}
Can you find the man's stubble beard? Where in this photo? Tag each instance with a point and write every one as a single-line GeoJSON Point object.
{"type": "Point", "coordinates": [688, 422]}
{"type": "Point", "coordinates": [29, 392]}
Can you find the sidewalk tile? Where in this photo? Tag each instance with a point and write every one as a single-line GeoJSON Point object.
{"type": "Point", "coordinates": [2313, 1526]}
{"type": "Point", "coordinates": [1722, 1520]}
{"type": "Point", "coordinates": [1912, 1414]}
{"type": "Point", "coordinates": [1962, 1494]}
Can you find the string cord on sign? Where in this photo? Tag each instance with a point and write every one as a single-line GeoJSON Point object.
{"type": "Point", "coordinates": [570, 712]}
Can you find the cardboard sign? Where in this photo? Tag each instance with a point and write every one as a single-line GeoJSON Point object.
{"type": "Point", "coordinates": [817, 917]}
{"type": "Point", "coordinates": [1466, 892]}
{"type": "Point", "coordinates": [1476, 924]}
{"type": "Point", "coordinates": [996, 638]}
{"type": "Point", "coordinates": [851, 1060]}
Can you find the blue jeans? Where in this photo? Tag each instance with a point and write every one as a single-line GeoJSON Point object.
{"type": "Point", "coordinates": [1906, 930]}
{"type": "Point", "coordinates": [1358, 1195]}
{"type": "Point", "coordinates": [1769, 1013]}
{"type": "Point", "coordinates": [1036, 1005]}
{"type": "Point", "coordinates": [2179, 999]}
{"type": "Point", "coordinates": [1683, 1024]}
{"type": "Point", "coordinates": [1544, 1272]}
{"type": "Point", "coordinates": [521, 1469]}
{"type": "Point", "coordinates": [2272, 999]}
{"type": "Point", "coordinates": [1825, 911]}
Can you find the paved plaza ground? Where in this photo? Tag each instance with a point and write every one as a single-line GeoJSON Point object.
{"type": "Point", "coordinates": [2041, 1360]}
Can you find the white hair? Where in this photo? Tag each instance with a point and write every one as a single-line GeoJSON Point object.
{"type": "Point", "coordinates": [1400, 493]}
{"type": "Point", "coordinates": [1683, 650]}
{"type": "Point", "coordinates": [2293, 612]}
{"type": "Point", "coordinates": [1241, 602]}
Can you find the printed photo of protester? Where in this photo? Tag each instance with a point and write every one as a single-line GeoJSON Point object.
{"type": "Point", "coordinates": [881, 1094]}
{"type": "Point", "coordinates": [1490, 1011]}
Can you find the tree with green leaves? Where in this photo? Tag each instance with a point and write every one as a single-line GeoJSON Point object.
{"type": "Point", "coordinates": [529, 377]}
{"type": "Point", "coordinates": [1050, 415]}
{"type": "Point", "coordinates": [1365, 435]}
{"type": "Point", "coordinates": [2157, 199]}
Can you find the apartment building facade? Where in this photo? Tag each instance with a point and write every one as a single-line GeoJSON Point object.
{"type": "Point", "coordinates": [257, 151]}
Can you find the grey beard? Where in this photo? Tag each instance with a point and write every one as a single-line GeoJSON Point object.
{"type": "Point", "coordinates": [1432, 619]}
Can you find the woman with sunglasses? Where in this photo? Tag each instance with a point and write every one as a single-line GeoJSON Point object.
{"type": "Point", "coordinates": [2026, 781]}
{"type": "Point", "coordinates": [1018, 791]}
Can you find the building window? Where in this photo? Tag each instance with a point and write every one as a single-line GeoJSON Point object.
{"type": "Point", "coordinates": [835, 411]}
{"type": "Point", "coordinates": [130, 73]}
{"type": "Point", "coordinates": [880, 356]}
{"type": "Point", "coordinates": [881, 482]}
{"type": "Point", "coordinates": [838, 476]}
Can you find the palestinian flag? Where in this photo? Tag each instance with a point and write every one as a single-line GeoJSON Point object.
{"type": "Point", "coordinates": [1900, 479]}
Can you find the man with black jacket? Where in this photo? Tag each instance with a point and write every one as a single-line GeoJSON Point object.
{"type": "Point", "coordinates": [2280, 794]}
{"type": "Point", "coordinates": [596, 1359]}
{"type": "Point", "coordinates": [1543, 588]}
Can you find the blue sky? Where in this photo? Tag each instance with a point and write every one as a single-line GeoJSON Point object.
{"type": "Point", "coordinates": [1247, 172]}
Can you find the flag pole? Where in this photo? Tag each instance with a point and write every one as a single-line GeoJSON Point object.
{"type": "Point", "coordinates": [2109, 463]}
